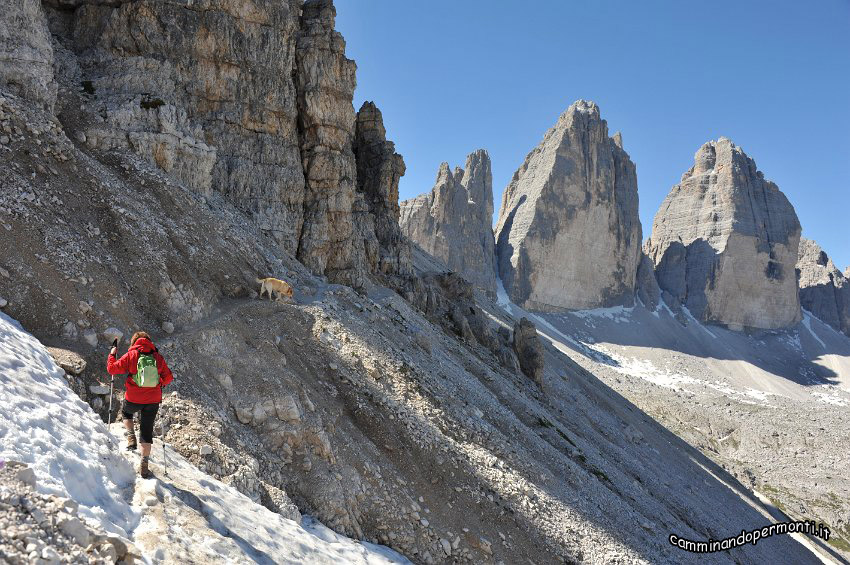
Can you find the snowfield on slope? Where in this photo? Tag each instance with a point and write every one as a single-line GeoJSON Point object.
{"type": "Point", "coordinates": [184, 516]}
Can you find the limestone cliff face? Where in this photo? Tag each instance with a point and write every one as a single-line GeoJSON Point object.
{"type": "Point", "coordinates": [26, 53]}
{"type": "Point", "coordinates": [569, 235]}
{"type": "Point", "coordinates": [206, 94]}
{"type": "Point", "coordinates": [379, 169]}
{"type": "Point", "coordinates": [453, 222]}
{"type": "Point", "coordinates": [248, 98]}
{"type": "Point", "coordinates": [325, 81]}
{"type": "Point", "coordinates": [724, 242]}
{"type": "Point", "coordinates": [824, 290]}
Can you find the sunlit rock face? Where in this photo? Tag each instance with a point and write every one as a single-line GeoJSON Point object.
{"type": "Point", "coordinates": [453, 221]}
{"type": "Point", "coordinates": [725, 240]}
{"type": "Point", "coordinates": [569, 235]}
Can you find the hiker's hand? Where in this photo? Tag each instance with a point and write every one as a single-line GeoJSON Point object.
{"type": "Point", "coordinates": [113, 351]}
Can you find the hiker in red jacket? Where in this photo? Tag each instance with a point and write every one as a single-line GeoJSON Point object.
{"type": "Point", "coordinates": [147, 374]}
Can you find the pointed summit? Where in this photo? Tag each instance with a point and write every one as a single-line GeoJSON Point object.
{"type": "Point", "coordinates": [569, 235]}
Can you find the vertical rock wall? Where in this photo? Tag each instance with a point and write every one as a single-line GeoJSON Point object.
{"type": "Point", "coordinates": [453, 222]}
{"type": "Point", "coordinates": [724, 242]}
{"type": "Point", "coordinates": [569, 234]}
{"type": "Point", "coordinates": [379, 169]}
{"type": "Point", "coordinates": [325, 81]}
{"type": "Point", "coordinates": [203, 90]}
{"type": "Point", "coordinates": [248, 98]}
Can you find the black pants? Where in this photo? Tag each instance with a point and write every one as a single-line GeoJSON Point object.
{"type": "Point", "coordinates": [147, 413]}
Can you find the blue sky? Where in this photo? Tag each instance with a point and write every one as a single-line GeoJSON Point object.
{"type": "Point", "coordinates": [774, 76]}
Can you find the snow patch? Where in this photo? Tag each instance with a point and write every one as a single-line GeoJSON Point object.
{"type": "Point", "coordinates": [807, 322]}
{"type": "Point", "coordinates": [617, 314]}
{"type": "Point", "coordinates": [502, 297]}
{"type": "Point", "coordinates": [830, 398]}
{"type": "Point", "coordinates": [44, 424]}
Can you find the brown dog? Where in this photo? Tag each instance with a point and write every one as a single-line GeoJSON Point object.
{"type": "Point", "coordinates": [272, 285]}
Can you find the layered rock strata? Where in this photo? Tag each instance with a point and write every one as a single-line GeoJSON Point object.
{"type": "Point", "coordinates": [453, 221]}
{"type": "Point", "coordinates": [206, 95]}
{"type": "Point", "coordinates": [568, 235]}
{"type": "Point", "coordinates": [252, 100]}
{"type": "Point", "coordinates": [824, 290]}
{"type": "Point", "coordinates": [325, 81]}
{"type": "Point", "coordinates": [724, 242]}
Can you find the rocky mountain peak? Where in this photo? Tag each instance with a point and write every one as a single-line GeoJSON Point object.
{"type": "Point", "coordinates": [576, 192]}
{"type": "Point", "coordinates": [722, 229]}
{"type": "Point", "coordinates": [453, 221]}
{"type": "Point", "coordinates": [824, 290]}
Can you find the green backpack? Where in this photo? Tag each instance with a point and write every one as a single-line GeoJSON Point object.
{"type": "Point", "coordinates": [146, 373]}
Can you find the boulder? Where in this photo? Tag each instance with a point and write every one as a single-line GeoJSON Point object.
{"type": "Point", "coordinates": [99, 389]}
{"type": "Point", "coordinates": [286, 409]}
{"type": "Point", "coordinates": [70, 361]}
{"type": "Point", "coordinates": [568, 235]}
{"type": "Point", "coordinates": [724, 243]}
{"type": "Point", "coordinates": [824, 290]}
{"type": "Point", "coordinates": [111, 334]}
{"type": "Point", "coordinates": [529, 350]}
{"type": "Point", "coordinates": [243, 414]}
{"type": "Point", "coordinates": [454, 221]}
{"type": "Point", "coordinates": [91, 337]}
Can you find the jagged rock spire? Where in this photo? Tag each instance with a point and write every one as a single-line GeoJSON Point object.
{"type": "Point", "coordinates": [453, 221]}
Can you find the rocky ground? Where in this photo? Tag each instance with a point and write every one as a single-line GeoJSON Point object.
{"type": "Point", "coordinates": [44, 529]}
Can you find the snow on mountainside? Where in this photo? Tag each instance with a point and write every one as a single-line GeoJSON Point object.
{"type": "Point", "coordinates": [769, 406]}
{"type": "Point", "coordinates": [183, 516]}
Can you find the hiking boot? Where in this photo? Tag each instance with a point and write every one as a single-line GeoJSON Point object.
{"type": "Point", "coordinates": [143, 469]}
{"type": "Point", "coordinates": [131, 441]}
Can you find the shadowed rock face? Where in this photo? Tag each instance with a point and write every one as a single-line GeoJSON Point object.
{"type": "Point", "coordinates": [529, 350]}
{"type": "Point", "coordinates": [824, 290]}
{"type": "Point", "coordinates": [453, 222]}
{"type": "Point", "coordinates": [724, 242]}
{"type": "Point", "coordinates": [379, 169]}
{"type": "Point", "coordinates": [569, 235]}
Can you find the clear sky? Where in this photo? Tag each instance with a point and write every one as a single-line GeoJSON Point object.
{"type": "Point", "coordinates": [451, 76]}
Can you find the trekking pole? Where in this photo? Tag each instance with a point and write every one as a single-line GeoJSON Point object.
{"type": "Point", "coordinates": [164, 455]}
{"type": "Point", "coordinates": [111, 390]}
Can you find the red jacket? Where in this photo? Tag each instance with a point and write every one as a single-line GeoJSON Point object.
{"type": "Point", "coordinates": [127, 364]}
